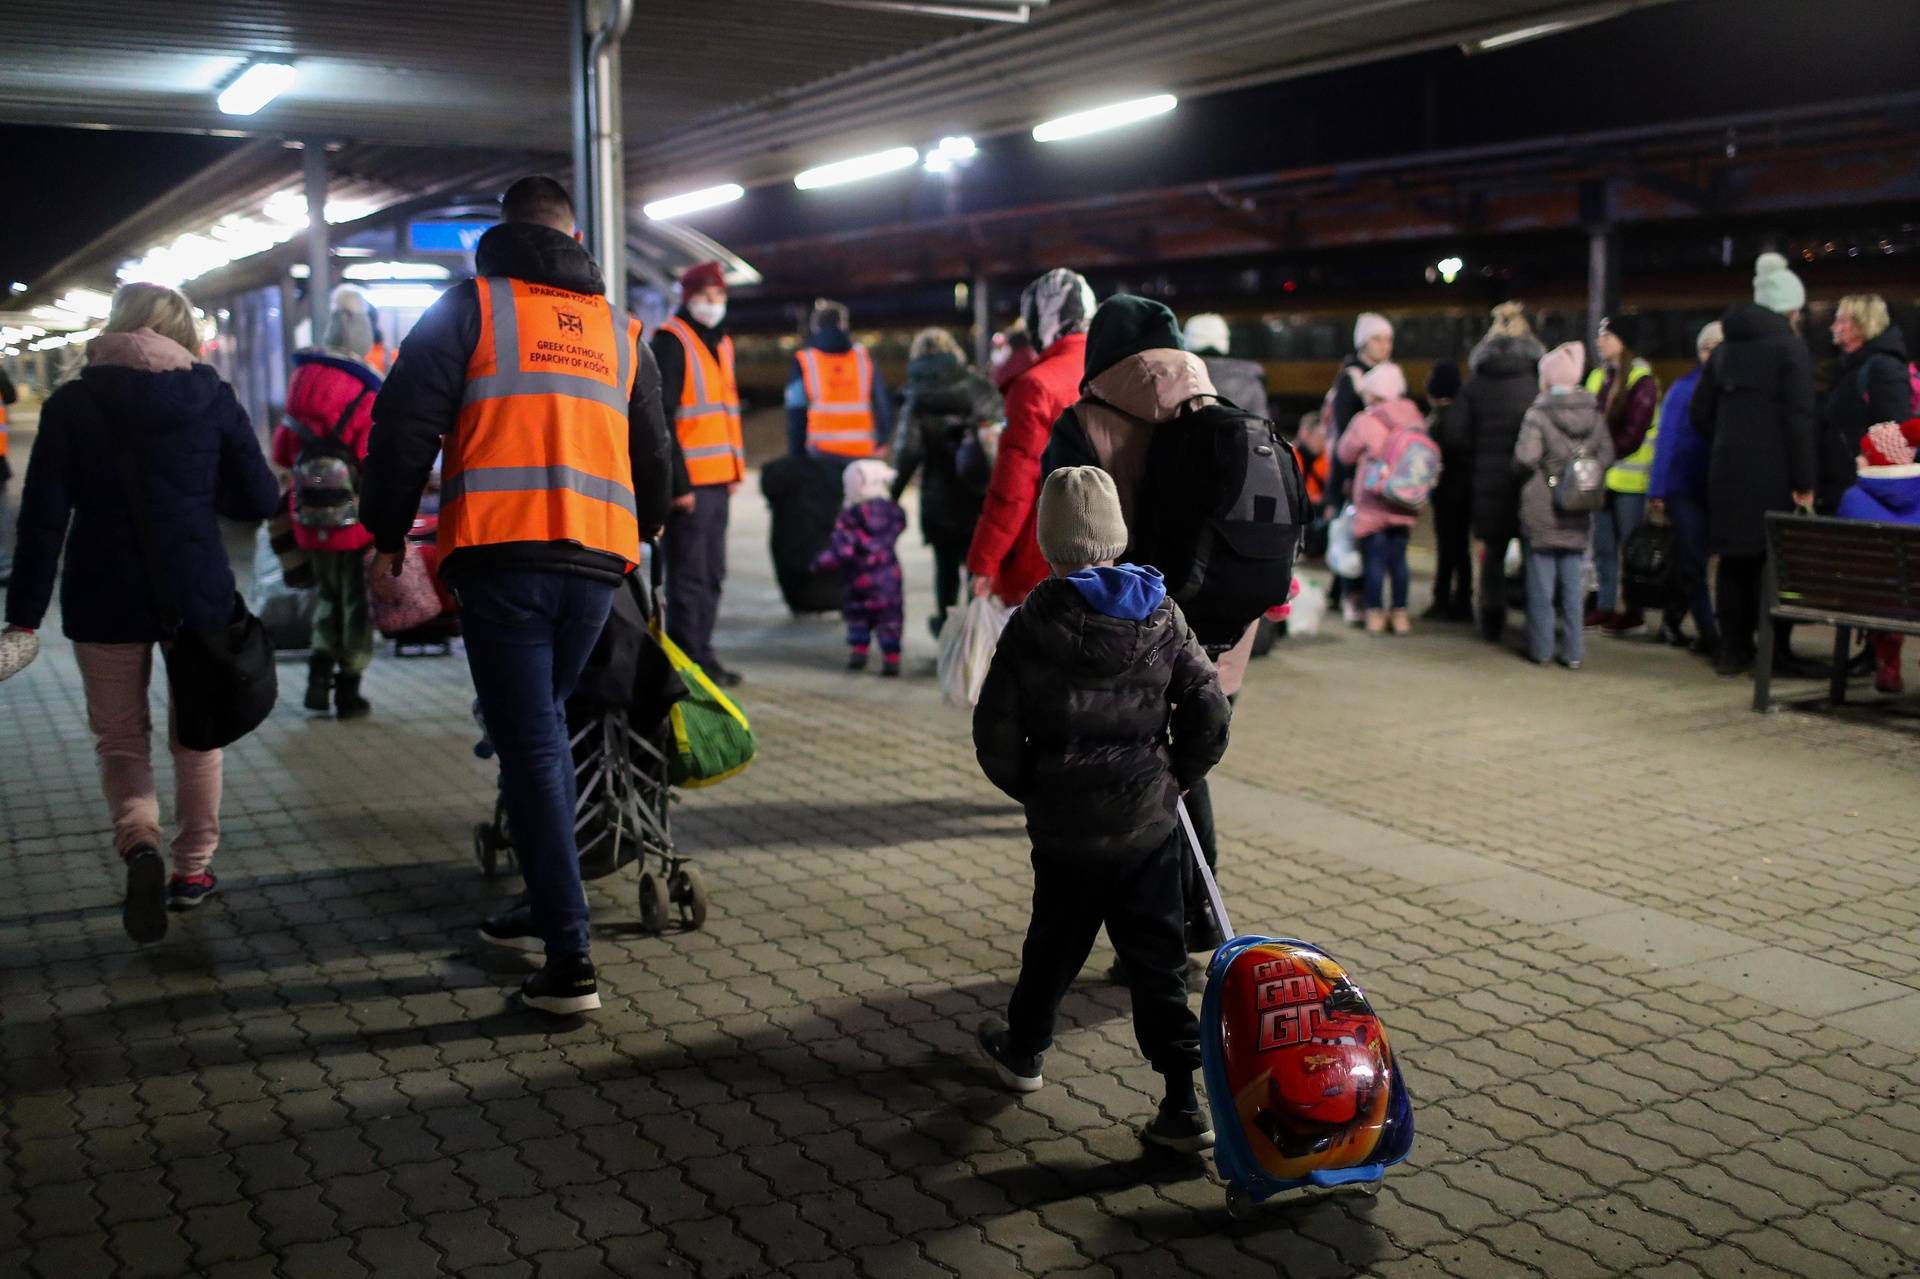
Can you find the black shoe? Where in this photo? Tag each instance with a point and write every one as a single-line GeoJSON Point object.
{"type": "Point", "coordinates": [722, 676]}
{"type": "Point", "coordinates": [513, 930]}
{"type": "Point", "coordinates": [857, 660]}
{"type": "Point", "coordinates": [319, 683]}
{"type": "Point", "coordinates": [937, 623]}
{"type": "Point", "coordinates": [1732, 662]}
{"type": "Point", "coordinates": [1704, 646]}
{"type": "Point", "coordinates": [1187, 1131]}
{"type": "Point", "coordinates": [1434, 612]}
{"type": "Point", "coordinates": [1492, 626]}
{"type": "Point", "coordinates": [1671, 634]}
{"type": "Point", "coordinates": [890, 667]}
{"type": "Point", "coordinates": [144, 911]}
{"type": "Point", "coordinates": [1461, 611]}
{"type": "Point", "coordinates": [347, 702]}
{"type": "Point", "coordinates": [1022, 1074]}
{"type": "Point", "coordinates": [563, 986]}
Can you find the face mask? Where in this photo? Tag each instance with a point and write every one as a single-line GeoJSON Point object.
{"type": "Point", "coordinates": [708, 314]}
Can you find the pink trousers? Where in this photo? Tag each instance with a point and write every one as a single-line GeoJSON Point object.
{"type": "Point", "coordinates": [115, 676]}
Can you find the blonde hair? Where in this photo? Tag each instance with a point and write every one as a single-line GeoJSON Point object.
{"type": "Point", "coordinates": [1510, 321]}
{"type": "Point", "coordinates": [1868, 311]}
{"type": "Point", "coordinates": [154, 306]}
{"type": "Point", "coordinates": [935, 342]}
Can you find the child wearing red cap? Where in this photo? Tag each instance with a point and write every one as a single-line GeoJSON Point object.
{"type": "Point", "coordinates": [1886, 489]}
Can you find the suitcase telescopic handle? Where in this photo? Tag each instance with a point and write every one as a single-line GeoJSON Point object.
{"type": "Point", "coordinates": [1206, 871]}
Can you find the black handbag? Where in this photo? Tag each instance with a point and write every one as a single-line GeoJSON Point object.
{"type": "Point", "coordinates": [222, 678]}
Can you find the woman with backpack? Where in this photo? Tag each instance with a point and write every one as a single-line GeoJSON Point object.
{"type": "Point", "coordinates": [323, 442]}
{"type": "Point", "coordinates": [140, 454]}
{"type": "Point", "coordinates": [1561, 457]}
{"type": "Point", "coordinates": [1373, 441]}
{"type": "Point", "coordinates": [1629, 396]}
{"type": "Point", "coordinates": [946, 403]}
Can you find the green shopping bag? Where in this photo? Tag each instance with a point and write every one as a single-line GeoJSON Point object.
{"type": "Point", "coordinates": [711, 738]}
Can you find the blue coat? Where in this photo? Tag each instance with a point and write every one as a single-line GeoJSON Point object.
{"type": "Point", "coordinates": [198, 457]}
{"type": "Point", "coordinates": [1889, 499]}
{"type": "Point", "coordinates": [1680, 453]}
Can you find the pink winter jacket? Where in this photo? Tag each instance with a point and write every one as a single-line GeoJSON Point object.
{"type": "Point", "coordinates": [322, 387]}
{"type": "Point", "coordinates": [1365, 440]}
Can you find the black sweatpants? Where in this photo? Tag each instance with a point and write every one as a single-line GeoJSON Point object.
{"type": "Point", "coordinates": [949, 562]}
{"type": "Point", "coordinates": [1453, 546]}
{"type": "Point", "coordinates": [1141, 902]}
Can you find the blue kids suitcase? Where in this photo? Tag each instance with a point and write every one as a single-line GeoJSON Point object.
{"type": "Point", "coordinates": [1302, 1083]}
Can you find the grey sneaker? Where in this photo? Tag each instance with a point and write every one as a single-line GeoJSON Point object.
{"type": "Point", "coordinates": [1022, 1074]}
{"type": "Point", "coordinates": [1187, 1131]}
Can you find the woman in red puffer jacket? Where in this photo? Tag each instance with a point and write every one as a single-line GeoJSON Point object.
{"type": "Point", "coordinates": [329, 415]}
{"type": "Point", "coordinates": [1005, 557]}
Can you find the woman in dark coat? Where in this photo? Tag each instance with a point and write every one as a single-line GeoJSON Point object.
{"type": "Point", "coordinates": [1501, 386]}
{"type": "Point", "coordinates": [196, 457]}
{"type": "Point", "coordinates": [1871, 385]}
{"type": "Point", "coordinates": [1755, 404]}
{"type": "Point", "coordinates": [946, 403]}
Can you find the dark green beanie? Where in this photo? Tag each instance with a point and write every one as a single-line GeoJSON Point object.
{"type": "Point", "coordinates": [1127, 325]}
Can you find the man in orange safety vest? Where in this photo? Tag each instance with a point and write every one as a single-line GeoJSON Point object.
{"type": "Point", "coordinates": [837, 403]}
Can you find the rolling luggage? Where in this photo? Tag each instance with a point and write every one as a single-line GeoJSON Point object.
{"type": "Point", "coordinates": [803, 494]}
{"type": "Point", "coordinates": [1300, 1078]}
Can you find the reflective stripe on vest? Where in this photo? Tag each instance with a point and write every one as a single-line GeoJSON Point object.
{"type": "Point", "coordinates": [839, 401]}
{"type": "Point", "coordinates": [1634, 472]}
{"type": "Point", "coordinates": [708, 418]}
{"type": "Point", "coordinates": [539, 450]}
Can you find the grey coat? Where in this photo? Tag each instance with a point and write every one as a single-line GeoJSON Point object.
{"type": "Point", "coordinates": [1554, 428]}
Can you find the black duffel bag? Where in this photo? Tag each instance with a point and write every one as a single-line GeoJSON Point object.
{"type": "Point", "coordinates": [1646, 567]}
{"type": "Point", "coordinates": [222, 678]}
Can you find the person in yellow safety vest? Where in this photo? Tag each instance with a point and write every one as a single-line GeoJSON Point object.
{"type": "Point", "coordinates": [1629, 398]}
{"type": "Point", "coordinates": [557, 467]}
{"type": "Point", "coordinates": [837, 404]}
{"type": "Point", "coordinates": [697, 386]}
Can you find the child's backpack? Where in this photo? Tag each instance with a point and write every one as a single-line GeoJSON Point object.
{"type": "Point", "coordinates": [1220, 514]}
{"type": "Point", "coordinates": [326, 474]}
{"type": "Point", "coordinates": [1581, 484]}
{"type": "Point", "coordinates": [1406, 470]}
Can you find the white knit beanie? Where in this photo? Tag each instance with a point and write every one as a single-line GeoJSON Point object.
{"type": "Point", "coordinates": [1370, 325]}
{"type": "Point", "coordinates": [1079, 520]}
{"type": "Point", "coordinates": [350, 325]}
{"type": "Point", "coordinates": [1775, 286]}
{"type": "Point", "coordinates": [1384, 381]}
{"type": "Point", "coordinates": [865, 480]}
{"type": "Point", "coordinates": [1207, 332]}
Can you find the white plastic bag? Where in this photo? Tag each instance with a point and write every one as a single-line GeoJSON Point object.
{"type": "Point", "coordinates": [966, 648]}
{"type": "Point", "coordinates": [1309, 606]}
{"type": "Point", "coordinates": [1343, 551]}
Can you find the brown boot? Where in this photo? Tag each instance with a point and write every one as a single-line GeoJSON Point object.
{"type": "Point", "coordinates": [1402, 622]}
{"type": "Point", "coordinates": [1376, 621]}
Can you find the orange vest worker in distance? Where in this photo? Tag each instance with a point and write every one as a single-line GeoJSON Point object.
{"type": "Point", "coordinates": [839, 401]}
{"type": "Point", "coordinates": [707, 420]}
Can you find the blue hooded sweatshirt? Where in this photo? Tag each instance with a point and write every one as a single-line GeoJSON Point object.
{"type": "Point", "coordinates": [1889, 494]}
{"type": "Point", "coordinates": [1129, 592]}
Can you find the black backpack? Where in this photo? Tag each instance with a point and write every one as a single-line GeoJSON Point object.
{"type": "Point", "coordinates": [1220, 514]}
{"type": "Point", "coordinates": [326, 474]}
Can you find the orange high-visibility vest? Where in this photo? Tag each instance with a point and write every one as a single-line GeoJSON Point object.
{"type": "Point", "coordinates": [379, 359]}
{"type": "Point", "coordinates": [839, 401]}
{"type": "Point", "coordinates": [539, 450]}
{"type": "Point", "coordinates": [708, 418]}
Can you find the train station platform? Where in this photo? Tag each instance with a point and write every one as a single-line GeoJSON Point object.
{"type": "Point", "coordinates": [1651, 962]}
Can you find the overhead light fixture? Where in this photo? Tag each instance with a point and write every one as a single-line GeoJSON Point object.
{"type": "Point", "coordinates": [88, 302]}
{"type": "Point", "coordinates": [1539, 30]}
{"type": "Point", "coordinates": [404, 297]}
{"type": "Point", "coordinates": [693, 201]}
{"type": "Point", "coordinates": [864, 166]}
{"type": "Point", "coordinates": [395, 271]}
{"type": "Point", "coordinates": [253, 88]}
{"type": "Point", "coordinates": [951, 153]}
{"type": "Point", "coordinates": [1449, 268]}
{"type": "Point", "coordinates": [1081, 123]}
{"type": "Point", "coordinates": [16, 287]}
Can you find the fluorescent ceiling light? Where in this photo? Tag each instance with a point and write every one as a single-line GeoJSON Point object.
{"type": "Point", "coordinates": [258, 85]}
{"type": "Point", "coordinates": [17, 287]}
{"type": "Point", "coordinates": [407, 297]}
{"type": "Point", "coordinates": [1081, 123]}
{"type": "Point", "coordinates": [1538, 30]}
{"type": "Point", "coordinates": [950, 152]}
{"type": "Point", "coordinates": [865, 166]}
{"type": "Point", "coordinates": [64, 319]}
{"type": "Point", "coordinates": [88, 302]}
{"type": "Point", "coordinates": [693, 201]}
{"type": "Point", "coordinates": [395, 271]}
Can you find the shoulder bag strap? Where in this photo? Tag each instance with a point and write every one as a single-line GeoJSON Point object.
{"type": "Point", "coordinates": [166, 609]}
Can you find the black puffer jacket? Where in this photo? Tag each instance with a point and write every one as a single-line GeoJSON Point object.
{"type": "Point", "coordinates": [421, 398]}
{"type": "Point", "coordinates": [1870, 386]}
{"type": "Point", "coordinates": [1755, 403]}
{"type": "Point", "coordinates": [1501, 386]}
{"type": "Point", "coordinates": [1074, 720]}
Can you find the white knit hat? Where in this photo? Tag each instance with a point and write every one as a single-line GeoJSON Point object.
{"type": "Point", "coordinates": [1775, 286]}
{"type": "Point", "coordinates": [1384, 381]}
{"type": "Point", "coordinates": [1370, 325]}
{"type": "Point", "coordinates": [865, 480]}
{"type": "Point", "coordinates": [1079, 520]}
{"type": "Point", "coordinates": [1207, 332]}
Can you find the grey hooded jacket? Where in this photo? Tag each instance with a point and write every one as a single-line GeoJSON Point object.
{"type": "Point", "coordinates": [1554, 428]}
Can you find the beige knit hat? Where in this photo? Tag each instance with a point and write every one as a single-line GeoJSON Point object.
{"type": "Point", "coordinates": [1079, 520]}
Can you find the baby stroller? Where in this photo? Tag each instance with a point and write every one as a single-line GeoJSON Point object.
{"type": "Point", "coordinates": [618, 722]}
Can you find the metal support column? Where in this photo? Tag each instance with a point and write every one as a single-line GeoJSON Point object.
{"type": "Point", "coordinates": [982, 323]}
{"type": "Point", "coordinates": [599, 165]}
{"type": "Point", "coordinates": [319, 288]}
{"type": "Point", "coordinates": [1603, 258]}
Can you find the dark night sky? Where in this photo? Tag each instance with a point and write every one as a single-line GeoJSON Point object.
{"type": "Point", "coordinates": [1689, 59]}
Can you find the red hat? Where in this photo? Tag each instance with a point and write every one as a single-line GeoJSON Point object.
{"type": "Point", "coordinates": [1890, 443]}
{"type": "Point", "coordinates": [703, 275]}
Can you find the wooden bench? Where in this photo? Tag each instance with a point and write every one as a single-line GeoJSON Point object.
{"type": "Point", "coordinates": [1852, 575]}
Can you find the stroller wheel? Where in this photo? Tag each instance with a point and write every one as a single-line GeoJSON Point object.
{"type": "Point", "coordinates": [486, 849]}
{"type": "Point", "coordinates": [653, 903]}
{"type": "Point", "coordinates": [689, 892]}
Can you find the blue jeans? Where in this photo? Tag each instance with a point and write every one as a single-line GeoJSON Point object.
{"type": "Point", "coordinates": [1689, 517]}
{"type": "Point", "coordinates": [1613, 524]}
{"type": "Point", "coordinates": [1547, 570]}
{"type": "Point", "coordinates": [1384, 554]}
{"type": "Point", "coordinates": [528, 635]}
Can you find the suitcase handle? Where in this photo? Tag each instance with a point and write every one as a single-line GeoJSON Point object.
{"type": "Point", "coordinates": [1206, 872]}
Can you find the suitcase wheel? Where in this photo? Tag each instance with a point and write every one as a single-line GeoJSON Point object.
{"type": "Point", "coordinates": [1240, 1204]}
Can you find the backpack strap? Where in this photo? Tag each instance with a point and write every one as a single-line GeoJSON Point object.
{"type": "Point", "coordinates": [301, 429]}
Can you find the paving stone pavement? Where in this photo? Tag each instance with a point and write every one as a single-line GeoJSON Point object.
{"type": "Point", "coordinates": [1650, 961]}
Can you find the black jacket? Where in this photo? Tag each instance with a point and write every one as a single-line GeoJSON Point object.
{"type": "Point", "coordinates": [197, 457]}
{"type": "Point", "coordinates": [1755, 403]}
{"type": "Point", "coordinates": [1870, 386]}
{"type": "Point", "coordinates": [421, 397]}
{"type": "Point", "coordinates": [1503, 380]}
{"type": "Point", "coordinates": [1074, 718]}
{"type": "Point", "coordinates": [672, 359]}
{"type": "Point", "coordinates": [945, 402]}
